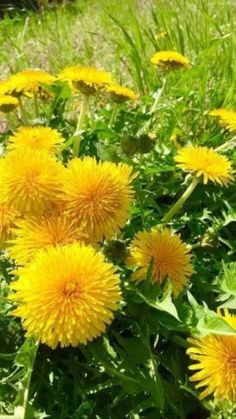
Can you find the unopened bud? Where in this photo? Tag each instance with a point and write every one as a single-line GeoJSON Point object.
{"type": "Point", "coordinates": [116, 251]}
{"type": "Point", "coordinates": [146, 144]}
{"type": "Point", "coordinates": [129, 145]}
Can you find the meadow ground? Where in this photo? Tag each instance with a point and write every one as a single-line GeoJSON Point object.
{"type": "Point", "coordinates": [139, 367]}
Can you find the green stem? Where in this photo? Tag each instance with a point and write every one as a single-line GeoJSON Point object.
{"type": "Point", "coordinates": [82, 115]}
{"type": "Point", "coordinates": [113, 114]}
{"type": "Point", "coordinates": [22, 111]}
{"type": "Point", "coordinates": [225, 145]}
{"type": "Point", "coordinates": [29, 376]}
{"type": "Point", "coordinates": [175, 338]}
{"type": "Point", "coordinates": [181, 201]}
{"type": "Point", "coordinates": [195, 246]}
{"type": "Point", "coordinates": [180, 341]}
{"type": "Point", "coordinates": [158, 97]}
{"type": "Point", "coordinates": [140, 201]}
{"type": "Point", "coordinates": [36, 106]}
{"type": "Point", "coordinates": [8, 357]}
{"type": "Point", "coordinates": [153, 109]}
{"type": "Point", "coordinates": [28, 352]}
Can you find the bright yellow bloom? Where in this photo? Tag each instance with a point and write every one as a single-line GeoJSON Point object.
{"type": "Point", "coordinates": [30, 81]}
{"type": "Point", "coordinates": [86, 79]}
{"type": "Point", "coordinates": [4, 87]}
{"type": "Point", "coordinates": [98, 195]}
{"type": "Point", "coordinates": [169, 255]}
{"type": "Point", "coordinates": [30, 181]}
{"type": "Point", "coordinates": [8, 103]}
{"type": "Point", "coordinates": [206, 163]}
{"type": "Point", "coordinates": [67, 295]}
{"type": "Point", "coordinates": [120, 94]}
{"type": "Point", "coordinates": [216, 363]}
{"type": "Point", "coordinates": [170, 60]}
{"type": "Point", "coordinates": [36, 233]}
{"type": "Point", "coordinates": [227, 118]}
{"type": "Point", "coordinates": [7, 218]}
{"type": "Point", "coordinates": [36, 138]}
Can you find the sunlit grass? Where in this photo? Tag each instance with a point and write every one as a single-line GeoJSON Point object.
{"type": "Point", "coordinates": [138, 369]}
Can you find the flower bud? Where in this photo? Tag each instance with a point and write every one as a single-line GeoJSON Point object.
{"type": "Point", "coordinates": [129, 145]}
{"type": "Point", "coordinates": [146, 144]}
{"type": "Point", "coordinates": [116, 250]}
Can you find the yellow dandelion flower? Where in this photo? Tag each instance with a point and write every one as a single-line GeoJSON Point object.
{"type": "Point", "coordinates": [170, 257]}
{"type": "Point", "coordinates": [216, 363]}
{"type": "Point", "coordinates": [86, 79]}
{"type": "Point", "coordinates": [98, 195]}
{"type": "Point", "coordinates": [36, 138]}
{"type": "Point", "coordinates": [8, 103]}
{"type": "Point", "coordinates": [227, 118]}
{"type": "Point", "coordinates": [67, 295]}
{"type": "Point", "coordinates": [36, 233]}
{"type": "Point", "coordinates": [7, 218]}
{"type": "Point", "coordinates": [170, 60]}
{"type": "Point", "coordinates": [120, 94]}
{"type": "Point", "coordinates": [30, 181]}
{"type": "Point", "coordinates": [5, 87]}
{"type": "Point", "coordinates": [30, 81]}
{"type": "Point", "coordinates": [206, 163]}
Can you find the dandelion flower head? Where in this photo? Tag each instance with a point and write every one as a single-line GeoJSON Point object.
{"type": "Point", "coordinates": [206, 163]}
{"type": "Point", "coordinates": [32, 234]}
{"type": "Point", "coordinates": [120, 94]}
{"type": "Point", "coordinates": [5, 88]}
{"type": "Point", "coordinates": [168, 254]}
{"type": "Point", "coordinates": [67, 295]}
{"type": "Point", "coordinates": [8, 103]}
{"type": "Point", "coordinates": [170, 60]}
{"type": "Point", "coordinates": [36, 138]}
{"type": "Point", "coordinates": [98, 195]}
{"type": "Point", "coordinates": [30, 182]}
{"type": "Point", "coordinates": [30, 81]}
{"type": "Point", "coordinates": [86, 79]}
{"type": "Point", "coordinates": [226, 118]}
{"type": "Point", "coordinates": [215, 363]}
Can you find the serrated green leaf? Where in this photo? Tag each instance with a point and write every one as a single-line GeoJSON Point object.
{"type": "Point", "coordinates": [206, 321]}
{"type": "Point", "coordinates": [228, 279]}
{"type": "Point", "coordinates": [163, 302]}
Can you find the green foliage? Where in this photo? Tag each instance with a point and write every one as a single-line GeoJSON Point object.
{"type": "Point", "coordinates": [139, 368]}
{"type": "Point", "coordinates": [226, 285]}
{"type": "Point", "coordinates": [223, 410]}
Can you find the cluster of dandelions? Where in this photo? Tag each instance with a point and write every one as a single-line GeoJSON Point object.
{"type": "Point", "coordinates": [67, 290]}
{"type": "Point", "coordinates": [55, 217]}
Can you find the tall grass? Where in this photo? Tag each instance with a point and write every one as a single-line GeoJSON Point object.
{"type": "Point", "coordinates": [121, 36]}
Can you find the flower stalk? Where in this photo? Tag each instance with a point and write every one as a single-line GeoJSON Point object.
{"type": "Point", "coordinates": [81, 119]}
{"type": "Point", "coordinates": [146, 126]}
{"type": "Point", "coordinates": [36, 106]}
{"type": "Point", "coordinates": [226, 144]}
{"type": "Point", "coordinates": [29, 352]}
{"type": "Point", "coordinates": [22, 111]}
{"type": "Point", "coordinates": [29, 375]}
{"type": "Point", "coordinates": [181, 201]}
{"type": "Point", "coordinates": [113, 115]}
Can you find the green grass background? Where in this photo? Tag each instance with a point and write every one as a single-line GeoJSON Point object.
{"type": "Point", "coordinates": [121, 35]}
